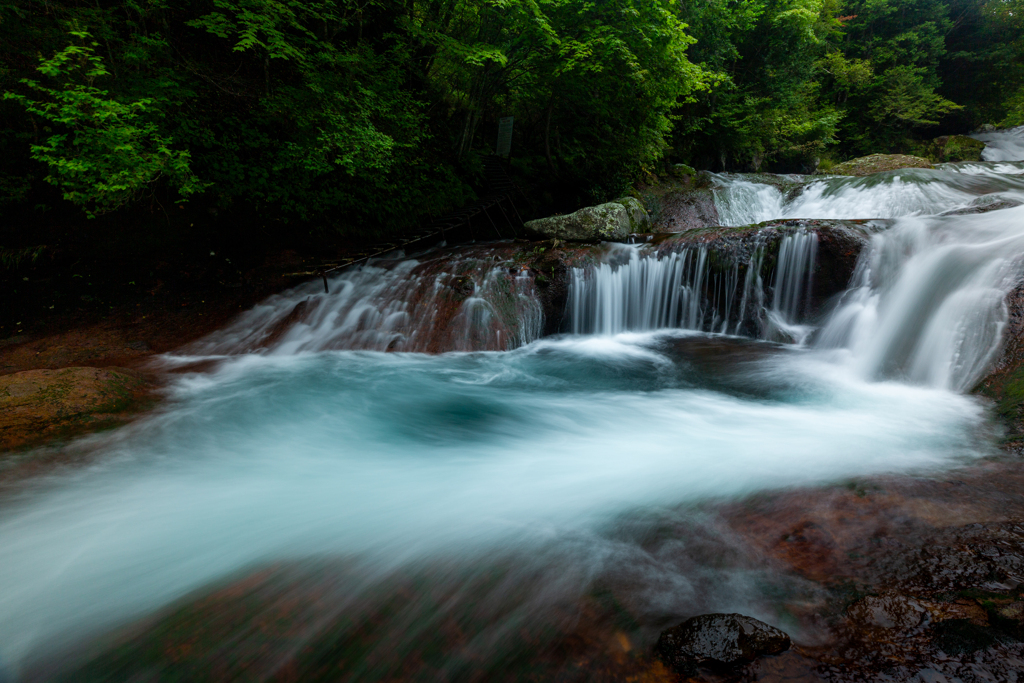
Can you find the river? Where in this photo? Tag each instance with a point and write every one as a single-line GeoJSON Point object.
{"type": "Point", "coordinates": [558, 455]}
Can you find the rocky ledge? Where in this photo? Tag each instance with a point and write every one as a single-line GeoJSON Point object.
{"type": "Point", "coordinates": [39, 404]}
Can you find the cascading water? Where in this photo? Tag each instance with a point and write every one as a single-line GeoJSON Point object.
{"type": "Point", "coordinates": [553, 468]}
{"type": "Point", "coordinates": [1002, 145]}
{"type": "Point", "coordinates": [463, 302]}
{"type": "Point", "coordinates": [927, 301]}
{"type": "Point", "coordinates": [639, 289]}
{"type": "Point", "coordinates": [894, 194]}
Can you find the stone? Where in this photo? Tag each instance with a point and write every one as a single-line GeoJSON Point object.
{"type": "Point", "coordinates": [35, 403]}
{"type": "Point", "coordinates": [605, 222]}
{"type": "Point", "coordinates": [876, 163]}
{"type": "Point", "coordinates": [719, 639]}
{"type": "Point", "coordinates": [639, 221]}
{"type": "Point", "coordinates": [952, 148]}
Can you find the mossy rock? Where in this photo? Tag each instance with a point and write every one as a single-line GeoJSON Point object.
{"type": "Point", "coordinates": [38, 404]}
{"type": "Point", "coordinates": [609, 222]}
{"type": "Point", "coordinates": [877, 163]}
{"type": "Point", "coordinates": [639, 221]}
{"type": "Point", "coordinates": [951, 148]}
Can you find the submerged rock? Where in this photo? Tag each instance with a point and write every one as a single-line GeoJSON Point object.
{"type": "Point", "coordinates": [876, 163]}
{"type": "Point", "coordinates": [719, 639]}
{"type": "Point", "coordinates": [611, 222]}
{"type": "Point", "coordinates": [35, 403]}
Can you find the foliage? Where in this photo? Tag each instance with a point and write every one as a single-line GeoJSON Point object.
{"type": "Point", "coordinates": [107, 152]}
{"type": "Point", "coordinates": [370, 116]}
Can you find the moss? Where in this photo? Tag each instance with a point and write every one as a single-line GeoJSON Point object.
{"type": "Point", "coordinates": [877, 163]}
{"type": "Point", "coordinates": [951, 148]}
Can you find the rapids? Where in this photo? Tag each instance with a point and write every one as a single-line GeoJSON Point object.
{"type": "Point", "coordinates": [307, 440]}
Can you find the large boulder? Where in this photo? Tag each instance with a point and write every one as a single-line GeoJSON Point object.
{"type": "Point", "coordinates": [719, 639]}
{"type": "Point", "coordinates": [682, 201]}
{"type": "Point", "coordinates": [35, 404]}
{"type": "Point", "coordinates": [602, 223]}
{"type": "Point", "coordinates": [639, 221]}
{"type": "Point", "coordinates": [876, 163]}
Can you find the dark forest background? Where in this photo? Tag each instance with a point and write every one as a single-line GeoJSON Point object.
{"type": "Point", "coordinates": [134, 126]}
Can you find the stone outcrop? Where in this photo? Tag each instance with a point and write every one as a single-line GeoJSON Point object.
{"type": "Point", "coordinates": [683, 201]}
{"type": "Point", "coordinates": [728, 639]}
{"type": "Point", "coordinates": [36, 404]}
{"type": "Point", "coordinates": [639, 221]}
{"type": "Point", "coordinates": [610, 222]}
{"type": "Point", "coordinates": [876, 163]}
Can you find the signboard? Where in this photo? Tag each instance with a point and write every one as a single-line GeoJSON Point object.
{"type": "Point", "coordinates": [504, 136]}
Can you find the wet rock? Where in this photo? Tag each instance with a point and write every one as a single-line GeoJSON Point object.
{"type": "Point", "coordinates": [36, 403]}
{"type": "Point", "coordinates": [981, 208]}
{"type": "Point", "coordinates": [719, 639]}
{"type": "Point", "coordinates": [876, 163]}
{"type": "Point", "coordinates": [890, 612]}
{"type": "Point", "coordinates": [609, 222]}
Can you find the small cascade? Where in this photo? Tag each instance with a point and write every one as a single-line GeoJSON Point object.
{"type": "Point", "coordinates": [927, 300]}
{"type": "Point", "coordinates": [697, 288]}
{"type": "Point", "coordinates": [794, 274]}
{"type": "Point", "coordinates": [473, 302]}
{"type": "Point", "coordinates": [747, 199]}
{"type": "Point", "coordinates": [1003, 145]}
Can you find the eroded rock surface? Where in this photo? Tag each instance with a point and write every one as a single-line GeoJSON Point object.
{"type": "Point", "coordinates": [35, 404]}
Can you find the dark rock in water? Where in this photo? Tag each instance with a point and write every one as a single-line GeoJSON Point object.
{"type": "Point", "coordinates": [1004, 383]}
{"type": "Point", "coordinates": [719, 639]}
{"type": "Point", "coordinates": [732, 251]}
{"type": "Point", "coordinates": [983, 208]}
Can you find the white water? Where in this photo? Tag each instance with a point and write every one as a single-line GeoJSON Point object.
{"type": "Point", "coordinates": [468, 303]}
{"type": "Point", "coordinates": [1002, 145]}
{"type": "Point", "coordinates": [636, 289]}
{"type": "Point", "coordinates": [394, 458]}
{"type": "Point", "coordinates": [893, 194]}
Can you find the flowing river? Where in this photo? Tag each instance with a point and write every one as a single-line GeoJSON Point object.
{"type": "Point", "coordinates": [331, 437]}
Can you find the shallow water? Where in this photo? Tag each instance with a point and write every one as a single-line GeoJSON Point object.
{"type": "Point", "coordinates": [399, 460]}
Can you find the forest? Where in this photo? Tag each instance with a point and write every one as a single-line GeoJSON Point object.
{"type": "Point", "coordinates": [356, 119]}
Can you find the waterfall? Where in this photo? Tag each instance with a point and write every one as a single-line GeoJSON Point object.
{"type": "Point", "coordinates": [742, 200]}
{"type": "Point", "coordinates": [1002, 145]}
{"type": "Point", "coordinates": [470, 302]}
{"type": "Point", "coordinates": [696, 288]}
{"type": "Point", "coordinates": [927, 301]}
{"type": "Point", "coordinates": [794, 275]}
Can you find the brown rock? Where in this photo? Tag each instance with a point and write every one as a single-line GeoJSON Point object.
{"type": "Point", "coordinates": [35, 404]}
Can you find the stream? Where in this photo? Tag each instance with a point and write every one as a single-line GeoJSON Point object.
{"type": "Point", "coordinates": [327, 438]}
